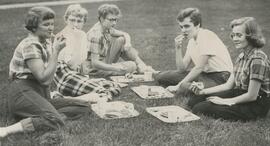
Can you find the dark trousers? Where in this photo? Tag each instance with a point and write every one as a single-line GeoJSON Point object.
{"type": "Point", "coordinates": [173, 77]}
{"type": "Point", "coordinates": [28, 99]}
{"type": "Point", "coordinates": [243, 111]}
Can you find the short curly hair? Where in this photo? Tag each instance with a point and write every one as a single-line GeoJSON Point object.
{"type": "Point", "coordinates": [37, 14]}
{"type": "Point", "coordinates": [252, 29]}
{"type": "Point", "coordinates": [193, 13]}
{"type": "Point", "coordinates": [76, 10]}
{"type": "Point", "coordinates": [106, 9]}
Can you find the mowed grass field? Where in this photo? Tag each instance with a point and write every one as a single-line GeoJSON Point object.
{"type": "Point", "coordinates": [152, 25]}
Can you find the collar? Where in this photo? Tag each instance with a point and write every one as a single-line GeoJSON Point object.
{"type": "Point", "coordinates": [36, 38]}
{"type": "Point", "coordinates": [33, 37]}
{"type": "Point", "coordinates": [197, 36]}
{"type": "Point", "coordinates": [247, 53]}
{"type": "Point", "coordinates": [103, 31]}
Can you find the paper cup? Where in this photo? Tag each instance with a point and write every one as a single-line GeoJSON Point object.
{"type": "Point", "coordinates": [148, 76]}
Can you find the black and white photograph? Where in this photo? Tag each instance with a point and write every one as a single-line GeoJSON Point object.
{"type": "Point", "coordinates": [134, 73]}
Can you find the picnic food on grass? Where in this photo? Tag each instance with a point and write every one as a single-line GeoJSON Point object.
{"type": "Point", "coordinates": [172, 114]}
{"type": "Point", "coordinates": [164, 114]}
{"type": "Point", "coordinates": [115, 110]}
{"type": "Point", "coordinates": [151, 92]}
{"type": "Point", "coordinates": [128, 78]}
{"type": "Point", "coordinates": [129, 75]}
{"type": "Point", "coordinates": [117, 113]}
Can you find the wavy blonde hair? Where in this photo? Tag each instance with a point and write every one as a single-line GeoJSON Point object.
{"type": "Point", "coordinates": [252, 29]}
{"type": "Point", "coordinates": [76, 10]}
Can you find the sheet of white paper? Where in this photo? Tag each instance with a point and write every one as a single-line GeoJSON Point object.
{"type": "Point", "coordinates": [115, 110]}
{"type": "Point", "coordinates": [172, 114]}
{"type": "Point", "coordinates": [124, 79]}
{"type": "Point", "coordinates": [152, 92]}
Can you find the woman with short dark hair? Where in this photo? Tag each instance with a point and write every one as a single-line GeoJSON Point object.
{"type": "Point", "coordinates": [32, 69]}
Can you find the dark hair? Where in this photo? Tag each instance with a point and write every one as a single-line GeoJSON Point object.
{"type": "Point", "coordinates": [193, 13]}
{"type": "Point", "coordinates": [37, 14]}
{"type": "Point", "coordinates": [252, 29]}
{"type": "Point", "coordinates": [106, 9]}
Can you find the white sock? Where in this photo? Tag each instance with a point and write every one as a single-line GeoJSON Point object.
{"type": "Point", "coordinates": [3, 132]}
{"type": "Point", "coordinates": [15, 128]}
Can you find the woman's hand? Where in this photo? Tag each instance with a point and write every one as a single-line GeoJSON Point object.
{"type": "Point", "coordinates": [59, 44]}
{"type": "Point", "coordinates": [172, 89]}
{"type": "Point", "coordinates": [220, 101]}
{"type": "Point", "coordinates": [196, 90]}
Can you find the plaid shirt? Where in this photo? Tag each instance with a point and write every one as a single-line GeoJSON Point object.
{"type": "Point", "coordinates": [252, 65]}
{"type": "Point", "coordinates": [71, 83]}
{"type": "Point", "coordinates": [98, 42]}
{"type": "Point", "coordinates": [28, 48]}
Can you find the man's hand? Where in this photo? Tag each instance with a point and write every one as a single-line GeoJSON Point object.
{"type": "Point", "coordinates": [196, 87]}
{"type": "Point", "coordinates": [179, 41]}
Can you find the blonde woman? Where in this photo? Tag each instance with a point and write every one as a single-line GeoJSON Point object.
{"type": "Point", "coordinates": [69, 78]}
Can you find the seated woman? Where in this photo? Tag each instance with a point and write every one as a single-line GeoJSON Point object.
{"type": "Point", "coordinates": [69, 78]}
{"type": "Point", "coordinates": [32, 68]}
{"type": "Point", "coordinates": [246, 94]}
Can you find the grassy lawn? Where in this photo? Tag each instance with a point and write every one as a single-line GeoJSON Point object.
{"type": "Point", "coordinates": [152, 25]}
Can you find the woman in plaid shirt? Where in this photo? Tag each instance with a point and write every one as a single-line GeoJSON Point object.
{"type": "Point", "coordinates": [32, 68]}
{"type": "Point", "coordinates": [246, 94]}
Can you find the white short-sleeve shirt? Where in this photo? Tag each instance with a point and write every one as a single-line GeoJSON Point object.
{"type": "Point", "coordinates": [208, 43]}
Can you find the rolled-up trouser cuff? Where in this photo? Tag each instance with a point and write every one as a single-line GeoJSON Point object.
{"type": "Point", "coordinates": [27, 125]}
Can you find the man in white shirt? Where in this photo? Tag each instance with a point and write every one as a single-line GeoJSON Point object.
{"type": "Point", "coordinates": [211, 59]}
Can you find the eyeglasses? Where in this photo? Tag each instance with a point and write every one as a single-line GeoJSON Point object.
{"type": "Point", "coordinates": [112, 19]}
{"type": "Point", "coordinates": [76, 20]}
{"type": "Point", "coordinates": [238, 35]}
